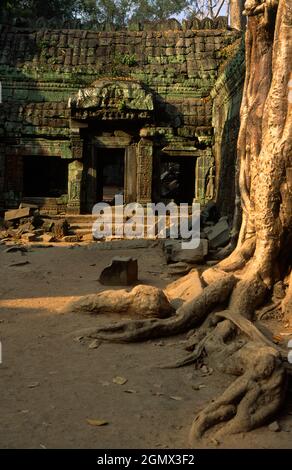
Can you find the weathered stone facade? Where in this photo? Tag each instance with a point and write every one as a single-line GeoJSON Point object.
{"type": "Point", "coordinates": [146, 101]}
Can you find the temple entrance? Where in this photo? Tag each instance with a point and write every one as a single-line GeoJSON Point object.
{"type": "Point", "coordinates": [110, 173]}
{"type": "Point", "coordinates": [177, 179]}
{"type": "Point", "coordinates": [44, 176]}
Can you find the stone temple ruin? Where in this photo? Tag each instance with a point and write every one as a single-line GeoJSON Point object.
{"type": "Point", "coordinates": [151, 114]}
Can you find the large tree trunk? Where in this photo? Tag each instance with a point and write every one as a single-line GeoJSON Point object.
{"type": "Point", "coordinates": [263, 252]}
{"type": "Point", "coordinates": [237, 19]}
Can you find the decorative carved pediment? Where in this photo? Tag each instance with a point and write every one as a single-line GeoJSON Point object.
{"type": "Point", "coordinates": [110, 99]}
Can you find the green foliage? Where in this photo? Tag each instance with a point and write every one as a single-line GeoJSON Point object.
{"type": "Point", "coordinates": [122, 106]}
{"type": "Point", "coordinates": [127, 59]}
{"type": "Point", "coordinates": [151, 10]}
{"type": "Point", "coordinates": [34, 9]}
{"type": "Point", "coordinates": [117, 13]}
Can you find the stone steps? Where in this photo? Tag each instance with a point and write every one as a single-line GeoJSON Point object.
{"type": "Point", "coordinates": [81, 224]}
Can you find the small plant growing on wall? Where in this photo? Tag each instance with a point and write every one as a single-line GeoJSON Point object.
{"type": "Point", "coordinates": [129, 59]}
{"type": "Point", "coordinates": [122, 106]}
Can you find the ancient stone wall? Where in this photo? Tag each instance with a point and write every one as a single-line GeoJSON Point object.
{"type": "Point", "coordinates": [226, 96]}
{"type": "Point", "coordinates": [40, 70]}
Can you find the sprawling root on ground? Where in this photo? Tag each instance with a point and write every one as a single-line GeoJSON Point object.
{"type": "Point", "coordinates": [188, 316]}
{"type": "Point", "coordinates": [251, 399]}
{"type": "Point", "coordinates": [233, 345]}
{"type": "Point", "coordinates": [144, 301]}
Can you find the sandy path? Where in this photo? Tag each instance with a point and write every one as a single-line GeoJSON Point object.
{"type": "Point", "coordinates": [51, 383]}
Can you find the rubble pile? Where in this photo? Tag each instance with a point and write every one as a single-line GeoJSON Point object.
{"type": "Point", "coordinates": [214, 235]}
{"type": "Point", "coordinates": [27, 225]}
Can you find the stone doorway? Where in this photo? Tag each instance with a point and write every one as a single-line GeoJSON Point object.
{"type": "Point", "coordinates": [110, 173]}
{"type": "Point", "coordinates": [44, 176]}
{"type": "Point", "coordinates": [177, 179]}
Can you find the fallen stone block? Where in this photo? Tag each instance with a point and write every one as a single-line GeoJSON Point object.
{"type": "Point", "coordinates": [121, 272]}
{"type": "Point", "coordinates": [87, 237]}
{"type": "Point", "coordinates": [25, 228]}
{"type": "Point", "coordinates": [70, 239]}
{"type": "Point", "coordinates": [28, 237]}
{"type": "Point", "coordinates": [60, 228]}
{"type": "Point", "coordinates": [175, 253]}
{"type": "Point", "coordinates": [219, 234]}
{"type": "Point", "coordinates": [47, 225]}
{"type": "Point", "coordinates": [17, 214]}
{"type": "Point", "coordinates": [24, 205]}
{"type": "Point", "coordinates": [179, 268]}
{"type": "Point", "coordinates": [47, 238]}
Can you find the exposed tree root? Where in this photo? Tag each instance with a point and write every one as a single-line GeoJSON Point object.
{"type": "Point", "coordinates": [239, 257]}
{"type": "Point", "coordinates": [189, 315]}
{"type": "Point", "coordinates": [251, 399]}
{"type": "Point", "coordinates": [269, 309]}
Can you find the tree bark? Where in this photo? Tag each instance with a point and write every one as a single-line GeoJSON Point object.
{"type": "Point", "coordinates": [237, 20]}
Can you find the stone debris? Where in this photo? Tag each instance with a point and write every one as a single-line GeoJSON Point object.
{"type": "Point", "coordinates": [60, 229]}
{"type": "Point", "coordinates": [47, 238]}
{"type": "Point", "coordinates": [25, 224]}
{"type": "Point", "coordinates": [121, 272]}
{"type": "Point", "coordinates": [219, 234]}
{"type": "Point", "coordinates": [29, 237]}
{"type": "Point", "coordinates": [175, 253]}
{"type": "Point", "coordinates": [17, 214]}
{"type": "Point", "coordinates": [180, 268]}
{"type": "Point", "coordinates": [70, 239]}
{"type": "Point", "coordinates": [274, 426]}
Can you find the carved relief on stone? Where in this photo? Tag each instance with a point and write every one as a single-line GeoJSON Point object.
{"type": "Point", "coordinates": [144, 171]}
{"type": "Point", "coordinates": [113, 94]}
{"type": "Point", "coordinates": [75, 170]}
{"type": "Point", "coordinates": [205, 178]}
{"type": "Point", "coordinates": [77, 147]}
{"type": "Point", "coordinates": [210, 183]}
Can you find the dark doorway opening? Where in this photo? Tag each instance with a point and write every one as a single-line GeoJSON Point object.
{"type": "Point", "coordinates": [44, 176]}
{"type": "Point", "coordinates": [177, 179]}
{"type": "Point", "coordinates": [111, 173]}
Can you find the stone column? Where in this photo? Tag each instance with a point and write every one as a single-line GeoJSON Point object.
{"type": "Point", "coordinates": [130, 194]}
{"type": "Point", "coordinates": [144, 171]}
{"type": "Point", "coordinates": [75, 171]}
{"type": "Point", "coordinates": [205, 177]}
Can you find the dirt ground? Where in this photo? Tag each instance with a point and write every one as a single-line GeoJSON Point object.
{"type": "Point", "coordinates": [51, 382]}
